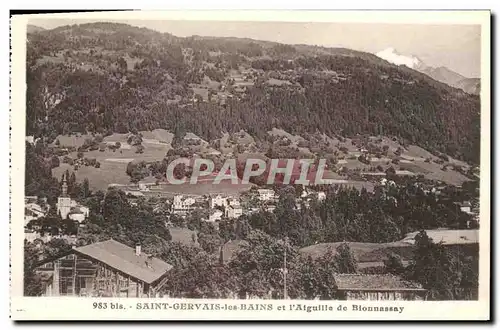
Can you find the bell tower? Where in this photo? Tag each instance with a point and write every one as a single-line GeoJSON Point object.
{"type": "Point", "coordinates": [64, 187]}
{"type": "Point", "coordinates": [64, 201]}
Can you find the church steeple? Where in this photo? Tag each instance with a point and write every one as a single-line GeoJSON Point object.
{"type": "Point", "coordinates": [64, 187]}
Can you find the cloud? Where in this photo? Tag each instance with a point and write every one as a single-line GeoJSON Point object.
{"type": "Point", "coordinates": [391, 55]}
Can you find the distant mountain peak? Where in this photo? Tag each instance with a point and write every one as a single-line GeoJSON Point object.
{"type": "Point", "coordinates": [391, 55]}
{"type": "Point", "coordinates": [440, 73]}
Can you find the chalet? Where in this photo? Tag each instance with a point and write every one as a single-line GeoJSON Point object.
{"type": "Point", "coordinates": [377, 287]}
{"type": "Point", "coordinates": [104, 269]}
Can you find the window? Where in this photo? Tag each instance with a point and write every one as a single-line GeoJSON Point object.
{"type": "Point", "coordinates": [122, 282]}
{"type": "Point", "coordinates": [66, 286]}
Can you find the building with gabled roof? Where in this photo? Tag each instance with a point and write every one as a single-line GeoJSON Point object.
{"type": "Point", "coordinates": [377, 287]}
{"type": "Point", "coordinates": [104, 269]}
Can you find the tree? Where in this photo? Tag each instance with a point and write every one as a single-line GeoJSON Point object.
{"type": "Point", "coordinates": [32, 281]}
{"type": "Point", "coordinates": [209, 242]}
{"type": "Point", "coordinates": [390, 172]}
{"type": "Point", "coordinates": [203, 277]}
{"type": "Point", "coordinates": [177, 221]}
{"type": "Point", "coordinates": [85, 188]}
{"type": "Point", "coordinates": [139, 149]}
{"type": "Point", "coordinates": [137, 171]}
{"type": "Point", "coordinates": [394, 265]}
{"type": "Point", "coordinates": [54, 161]}
{"type": "Point", "coordinates": [327, 265]}
{"type": "Point", "coordinates": [258, 264]}
{"type": "Point", "coordinates": [344, 259]}
{"type": "Point", "coordinates": [432, 267]}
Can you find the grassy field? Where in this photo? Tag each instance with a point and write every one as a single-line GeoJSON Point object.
{"type": "Point", "coordinates": [99, 178]}
{"type": "Point", "coordinates": [183, 235]}
{"type": "Point", "coordinates": [362, 252]}
{"type": "Point", "coordinates": [114, 164]}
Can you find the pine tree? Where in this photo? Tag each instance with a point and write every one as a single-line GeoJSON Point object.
{"type": "Point", "coordinates": [345, 260]}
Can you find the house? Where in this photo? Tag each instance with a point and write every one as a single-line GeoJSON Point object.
{"type": "Point", "coordinates": [234, 212]}
{"type": "Point", "coordinates": [34, 199]}
{"type": "Point", "coordinates": [265, 194]}
{"type": "Point", "coordinates": [233, 202]}
{"type": "Point", "coordinates": [78, 213]}
{"type": "Point", "coordinates": [182, 205]}
{"type": "Point", "coordinates": [143, 186]}
{"type": "Point", "coordinates": [377, 287]}
{"type": "Point", "coordinates": [269, 208]}
{"type": "Point", "coordinates": [33, 211]}
{"type": "Point", "coordinates": [384, 182]}
{"type": "Point", "coordinates": [218, 200]}
{"type": "Point", "coordinates": [305, 193]}
{"type": "Point", "coordinates": [215, 215]}
{"type": "Point", "coordinates": [30, 139]}
{"type": "Point", "coordinates": [134, 193]}
{"type": "Point", "coordinates": [103, 269]}
{"type": "Point", "coordinates": [465, 207]}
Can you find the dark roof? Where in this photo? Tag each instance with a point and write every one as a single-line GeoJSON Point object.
{"type": "Point", "coordinates": [123, 258]}
{"type": "Point", "coordinates": [377, 282]}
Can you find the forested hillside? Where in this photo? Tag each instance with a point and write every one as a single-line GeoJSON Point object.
{"type": "Point", "coordinates": [107, 77]}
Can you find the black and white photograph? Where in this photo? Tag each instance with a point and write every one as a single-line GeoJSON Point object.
{"type": "Point", "coordinates": [254, 162]}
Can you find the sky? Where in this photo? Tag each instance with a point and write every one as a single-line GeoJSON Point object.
{"type": "Point", "coordinates": [454, 46]}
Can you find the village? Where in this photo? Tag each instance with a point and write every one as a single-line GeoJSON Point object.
{"type": "Point", "coordinates": [110, 268]}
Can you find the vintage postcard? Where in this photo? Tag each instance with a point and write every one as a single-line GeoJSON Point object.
{"type": "Point", "coordinates": [250, 165]}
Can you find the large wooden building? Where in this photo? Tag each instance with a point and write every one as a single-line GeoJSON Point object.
{"type": "Point", "coordinates": [104, 269]}
{"type": "Point", "coordinates": [377, 287]}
